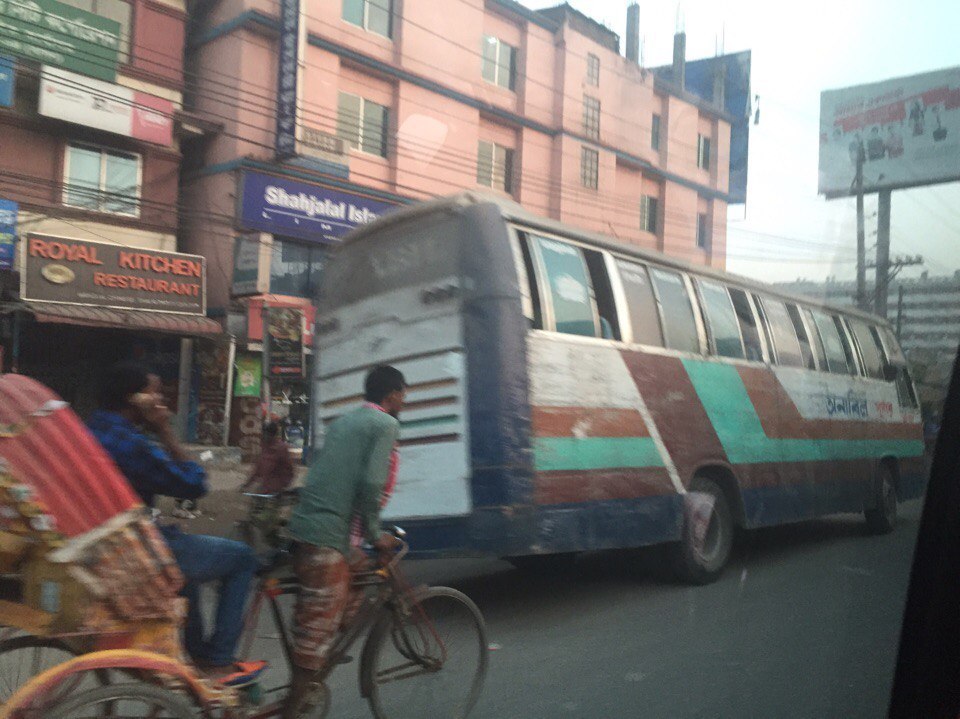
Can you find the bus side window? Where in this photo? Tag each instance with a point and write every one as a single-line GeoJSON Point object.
{"type": "Point", "coordinates": [837, 362]}
{"type": "Point", "coordinates": [853, 366]}
{"type": "Point", "coordinates": [784, 334]}
{"type": "Point", "coordinates": [568, 280]}
{"type": "Point", "coordinates": [603, 294]}
{"type": "Point", "coordinates": [642, 304]}
{"type": "Point", "coordinates": [679, 323]}
{"type": "Point", "coordinates": [527, 277]}
{"type": "Point", "coordinates": [748, 325]}
{"type": "Point", "coordinates": [722, 324]}
{"type": "Point", "coordinates": [869, 349]}
{"type": "Point", "coordinates": [817, 342]}
{"type": "Point", "coordinates": [894, 356]}
{"type": "Point", "coordinates": [806, 351]}
{"type": "Point", "coordinates": [765, 326]}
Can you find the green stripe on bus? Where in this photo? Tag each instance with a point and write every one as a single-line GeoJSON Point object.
{"type": "Point", "coordinates": [574, 453]}
{"type": "Point", "coordinates": [734, 418]}
{"type": "Point", "coordinates": [410, 424]}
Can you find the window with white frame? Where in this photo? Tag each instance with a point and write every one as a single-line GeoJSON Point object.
{"type": "Point", "coordinates": [591, 118]}
{"type": "Point", "coordinates": [649, 211]}
{"type": "Point", "coordinates": [102, 180]}
{"type": "Point", "coordinates": [703, 152]}
{"type": "Point", "coordinates": [593, 70]}
{"type": "Point", "coordinates": [495, 166]}
{"type": "Point", "coordinates": [372, 15]}
{"type": "Point", "coordinates": [362, 124]}
{"type": "Point", "coordinates": [589, 167]}
{"type": "Point", "coordinates": [499, 62]}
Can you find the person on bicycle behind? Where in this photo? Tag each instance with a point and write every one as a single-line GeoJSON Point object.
{"type": "Point", "coordinates": [133, 425]}
{"type": "Point", "coordinates": [273, 473]}
{"type": "Point", "coordinates": [347, 485]}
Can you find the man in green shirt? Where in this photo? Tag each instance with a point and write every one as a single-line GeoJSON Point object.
{"type": "Point", "coordinates": [343, 494]}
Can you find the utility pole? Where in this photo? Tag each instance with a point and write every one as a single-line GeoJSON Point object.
{"type": "Point", "coordinates": [883, 255]}
{"type": "Point", "coordinates": [861, 239]}
{"type": "Point", "coordinates": [893, 268]}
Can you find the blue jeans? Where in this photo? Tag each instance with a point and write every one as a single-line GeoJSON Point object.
{"type": "Point", "coordinates": [205, 559]}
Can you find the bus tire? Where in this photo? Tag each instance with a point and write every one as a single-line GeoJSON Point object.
{"type": "Point", "coordinates": [882, 517]}
{"type": "Point", "coordinates": [702, 562]}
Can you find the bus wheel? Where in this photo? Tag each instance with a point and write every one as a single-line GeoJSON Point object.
{"type": "Point", "coordinates": [707, 537]}
{"type": "Point", "coordinates": [882, 518]}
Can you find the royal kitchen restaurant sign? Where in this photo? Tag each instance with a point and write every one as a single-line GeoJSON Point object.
{"type": "Point", "coordinates": [77, 272]}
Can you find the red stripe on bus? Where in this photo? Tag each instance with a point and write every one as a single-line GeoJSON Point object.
{"type": "Point", "coordinates": [570, 487]}
{"type": "Point", "coordinates": [681, 420]}
{"type": "Point", "coordinates": [590, 421]}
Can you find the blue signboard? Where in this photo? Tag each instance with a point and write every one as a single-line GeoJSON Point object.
{"type": "Point", "coordinates": [288, 207]}
{"type": "Point", "coordinates": [8, 233]}
{"type": "Point", "coordinates": [6, 81]}
{"type": "Point", "coordinates": [287, 69]}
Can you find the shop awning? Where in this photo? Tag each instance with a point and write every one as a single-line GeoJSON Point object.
{"type": "Point", "coordinates": [88, 316]}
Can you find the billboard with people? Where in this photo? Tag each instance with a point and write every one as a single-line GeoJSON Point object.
{"type": "Point", "coordinates": [906, 130]}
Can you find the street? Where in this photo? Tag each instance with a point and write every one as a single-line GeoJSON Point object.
{"type": "Point", "coordinates": [804, 623]}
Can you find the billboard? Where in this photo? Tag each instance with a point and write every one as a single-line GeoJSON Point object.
{"type": "Point", "coordinates": [57, 34]}
{"type": "Point", "coordinates": [67, 96]}
{"type": "Point", "coordinates": [77, 272]}
{"type": "Point", "coordinates": [908, 130]}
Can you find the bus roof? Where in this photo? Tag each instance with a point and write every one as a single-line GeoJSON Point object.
{"type": "Point", "coordinates": [513, 212]}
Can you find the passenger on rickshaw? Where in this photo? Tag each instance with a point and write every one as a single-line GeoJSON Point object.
{"type": "Point", "coordinates": [133, 425]}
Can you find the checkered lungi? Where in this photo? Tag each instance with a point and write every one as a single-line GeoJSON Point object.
{"type": "Point", "coordinates": [325, 603]}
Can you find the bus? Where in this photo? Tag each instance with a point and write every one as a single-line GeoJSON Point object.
{"type": "Point", "coordinates": [571, 393]}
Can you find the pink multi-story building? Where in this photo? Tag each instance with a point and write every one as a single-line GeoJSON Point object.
{"type": "Point", "coordinates": [334, 110]}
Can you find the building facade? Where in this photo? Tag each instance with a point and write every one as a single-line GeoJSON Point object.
{"type": "Point", "coordinates": [334, 111]}
{"type": "Point", "coordinates": [90, 130]}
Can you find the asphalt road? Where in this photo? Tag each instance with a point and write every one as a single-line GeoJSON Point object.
{"type": "Point", "coordinates": [804, 623]}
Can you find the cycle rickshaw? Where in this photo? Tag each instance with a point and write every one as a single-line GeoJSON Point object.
{"type": "Point", "coordinates": [90, 617]}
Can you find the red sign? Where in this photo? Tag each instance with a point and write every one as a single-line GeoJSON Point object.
{"type": "Point", "coordinates": [255, 315]}
{"type": "Point", "coordinates": [152, 119]}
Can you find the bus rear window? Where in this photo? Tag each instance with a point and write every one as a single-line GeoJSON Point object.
{"type": "Point", "coordinates": [568, 281]}
{"type": "Point", "coordinates": [679, 324]}
{"type": "Point", "coordinates": [644, 318]}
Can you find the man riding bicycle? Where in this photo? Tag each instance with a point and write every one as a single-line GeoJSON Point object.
{"type": "Point", "coordinates": [339, 507]}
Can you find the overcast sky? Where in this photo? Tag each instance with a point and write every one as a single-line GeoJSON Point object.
{"type": "Point", "coordinates": [786, 230]}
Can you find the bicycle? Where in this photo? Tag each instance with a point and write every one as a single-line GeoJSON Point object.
{"type": "Point", "coordinates": [424, 632]}
{"type": "Point", "coordinates": [262, 526]}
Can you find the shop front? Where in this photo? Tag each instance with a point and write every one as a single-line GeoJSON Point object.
{"type": "Point", "coordinates": [288, 230]}
{"type": "Point", "coordinates": [82, 306]}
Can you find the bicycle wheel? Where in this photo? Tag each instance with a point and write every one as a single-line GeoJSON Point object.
{"type": "Point", "coordinates": [427, 661]}
{"type": "Point", "coordinates": [130, 701]}
{"type": "Point", "coordinates": [24, 657]}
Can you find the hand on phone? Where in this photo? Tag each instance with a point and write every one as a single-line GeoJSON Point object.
{"type": "Point", "coordinates": [154, 414]}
